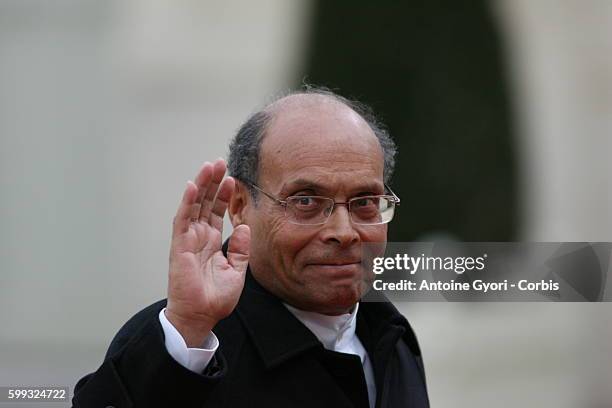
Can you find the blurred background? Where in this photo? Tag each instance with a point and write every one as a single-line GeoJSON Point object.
{"type": "Point", "coordinates": [502, 111]}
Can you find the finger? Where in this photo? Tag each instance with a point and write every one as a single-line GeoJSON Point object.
{"type": "Point", "coordinates": [238, 248]}
{"type": "Point", "coordinates": [218, 171]}
{"type": "Point", "coordinates": [202, 180]}
{"type": "Point", "coordinates": [226, 189]}
{"type": "Point", "coordinates": [183, 214]}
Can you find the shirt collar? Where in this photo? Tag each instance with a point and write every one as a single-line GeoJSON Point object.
{"type": "Point", "coordinates": [334, 332]}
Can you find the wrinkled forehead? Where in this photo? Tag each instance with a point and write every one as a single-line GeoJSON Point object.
{"type": "Point", "coordinates": [320, 139]}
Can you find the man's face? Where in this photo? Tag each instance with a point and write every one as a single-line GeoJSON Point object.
{"type": "Point", "coordinates": [321, 148]}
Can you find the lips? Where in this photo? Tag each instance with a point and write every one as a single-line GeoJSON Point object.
{"type": "Point", "coordinates": [337, 269]}
{"type": "Point", "coordinates": [336, 263]}
{"type": "Point", "coordinates": [343, 259]}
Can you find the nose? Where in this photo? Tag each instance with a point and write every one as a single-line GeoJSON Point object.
{"type": "Point", "coordinates": [339, 229]}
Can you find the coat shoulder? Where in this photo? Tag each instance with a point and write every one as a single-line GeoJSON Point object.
{"type": "Point", "coordinates": [133, 326]}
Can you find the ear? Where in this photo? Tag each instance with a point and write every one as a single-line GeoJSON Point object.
{"type": "Point", "coordinates": [239, 200]}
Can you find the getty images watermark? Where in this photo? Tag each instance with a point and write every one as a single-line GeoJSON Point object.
{"type": "Point", "coordinates": [499, 271]}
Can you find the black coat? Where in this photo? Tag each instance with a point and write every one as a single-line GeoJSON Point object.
{"type": "Point", "coordinates": [267, 358]}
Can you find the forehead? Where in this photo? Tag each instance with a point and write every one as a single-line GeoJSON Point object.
{"type": "Point", "coordinates": [320, 140]}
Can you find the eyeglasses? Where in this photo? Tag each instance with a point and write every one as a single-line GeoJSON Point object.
{"type": "Point", "coordinates": [316, 210]}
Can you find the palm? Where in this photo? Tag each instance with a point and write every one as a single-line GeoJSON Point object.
{"type": "Point", "coordinates": [203, 283]}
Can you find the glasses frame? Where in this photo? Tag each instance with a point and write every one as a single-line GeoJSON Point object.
{"type": "Point", "coordinates": [284, 203]}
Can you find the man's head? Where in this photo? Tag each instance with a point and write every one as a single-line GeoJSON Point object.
{"type": "Point", "coordinates": [309, 143]}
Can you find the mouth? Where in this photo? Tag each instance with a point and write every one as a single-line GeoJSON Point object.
{"type": "Point", "coordinates": [336, 264]}
{"type": "Point", "coordinates": [338, 270]}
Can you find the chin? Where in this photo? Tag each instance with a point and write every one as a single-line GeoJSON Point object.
{"type": "Point", "coordinates": [340, 301]}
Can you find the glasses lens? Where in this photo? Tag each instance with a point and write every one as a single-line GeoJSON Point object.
{"type": "Point", "coordinates": [308, 210]}
{"type": "Point", "coordinates": [372, 210]}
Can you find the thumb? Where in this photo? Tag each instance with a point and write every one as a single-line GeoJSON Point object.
{"type": "Point", "coordinates": [238, 248]}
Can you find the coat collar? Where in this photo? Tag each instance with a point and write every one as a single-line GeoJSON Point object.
{"type": "Point", "coordinates": [381, 316]}
{"type": "Point", "coordinates": [277, 335]}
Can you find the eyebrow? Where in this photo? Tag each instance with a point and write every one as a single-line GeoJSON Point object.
{"type": "Point", "coordinates": [306, 184]}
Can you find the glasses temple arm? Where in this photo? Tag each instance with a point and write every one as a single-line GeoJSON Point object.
{"type": "Point", "coordinates": [397, 199]}
{"type": "Point", "coordinates": [270, 196]}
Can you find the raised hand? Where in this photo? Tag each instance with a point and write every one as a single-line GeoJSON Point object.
{"type": "Point", "coordinates": [203, 285]}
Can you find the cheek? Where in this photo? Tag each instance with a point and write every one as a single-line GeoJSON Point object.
{"type": "Point", "coordinates": [288, 240]}
{"type": "Point", "coordinates": [276, 243]}
{"type": "Point", "coordinates": [374, 233]}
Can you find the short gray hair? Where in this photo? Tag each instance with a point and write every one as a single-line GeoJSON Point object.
{"type": "Point", "coordinates": [244, 149]}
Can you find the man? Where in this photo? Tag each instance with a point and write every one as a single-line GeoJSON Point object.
{"type": "Point", "coordinates": [273, 318]}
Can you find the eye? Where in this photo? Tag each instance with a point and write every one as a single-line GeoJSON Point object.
{"type": "Point", "coordinates": [365, 202]}
{"type": "Point", "coordinates": [304, 200]}
{"type": "Point", "coordinates": [305, 203]}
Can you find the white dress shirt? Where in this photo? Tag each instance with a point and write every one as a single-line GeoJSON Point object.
{"type": "Point", "coordinates": [336, 333]}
